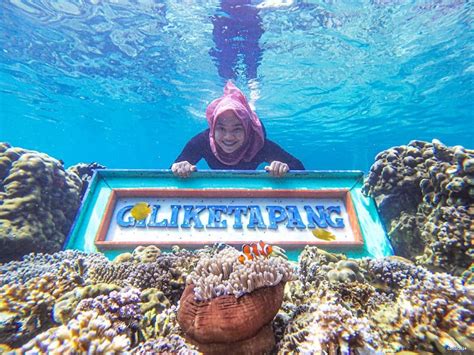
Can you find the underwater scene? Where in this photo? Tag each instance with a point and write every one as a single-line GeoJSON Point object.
{"type": "Point", "coordinates": [208, 126]}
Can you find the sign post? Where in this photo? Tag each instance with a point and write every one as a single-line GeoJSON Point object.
{"type": "Point", "coordinates": [321, 208]}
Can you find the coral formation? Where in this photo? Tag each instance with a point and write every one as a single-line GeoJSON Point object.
{"type": "Point", "coordinates": [104, 324]}
{"type": "Point", "coordinates": [173, 344]}
{"type": "Point", "coordinates": [38, 202]}
{"type": "Point", "coordinates": [337, 305]}
{"type": "Point", "coordinates": [34, 265]}
{"type": "Point", "coordinates": [168, 273]}
{"type": "Point", "coordinates": [425, 193]}
{"type": "Point", "coordinates": [85, 173]}
{"type": "Point", "coordinates": [395, 306]}
{"type": "Point", "coordinates": [146, 254]}
{"type": "Point", "coordinates": [25, 309]}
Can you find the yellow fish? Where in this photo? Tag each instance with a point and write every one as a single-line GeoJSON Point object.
{"type": "Point", "coordinates": [323, 234]}
{"type": "Point", "coordinates": [140, 211]}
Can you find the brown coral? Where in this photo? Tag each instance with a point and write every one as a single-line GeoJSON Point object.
{"type": "Point", "coordinates": [425, 193]}
{"type": "Point", "coordinates": [38, 202]}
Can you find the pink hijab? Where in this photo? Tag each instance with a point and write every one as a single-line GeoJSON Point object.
{"type": "Point", "coordinates": [235, 101]}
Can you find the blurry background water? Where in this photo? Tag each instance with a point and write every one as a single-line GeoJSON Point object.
{"type": "Point", "coordinates": [126, 82]}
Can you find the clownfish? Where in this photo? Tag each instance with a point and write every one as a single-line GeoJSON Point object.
{"type": "Point", "coordinates": [250, 251]}
{"type": "Point", "coordinates": [245, 257]}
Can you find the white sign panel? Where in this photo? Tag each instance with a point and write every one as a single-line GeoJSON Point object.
{"type": "Point", "coordinates": [232, 220]}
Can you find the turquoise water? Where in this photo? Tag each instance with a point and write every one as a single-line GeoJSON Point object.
{"type": "Point", "coordinates": [126, 83]}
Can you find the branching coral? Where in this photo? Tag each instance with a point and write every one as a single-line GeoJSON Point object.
{"type": "Point", "coordinates": [104, 324]}
{"type": "Point", "coordinates": [25, 309]}
{"type": "Point", "coordinates": [167, 273]}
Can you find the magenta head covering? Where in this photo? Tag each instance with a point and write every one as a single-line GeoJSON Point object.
{"type": "Point", "coordinates": [234, 100]}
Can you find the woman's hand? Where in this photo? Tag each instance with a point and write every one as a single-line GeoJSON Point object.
{"type": "Point", "coordinates": [277, 168]}
{"type": "Point", "coordinates": [183, 169]}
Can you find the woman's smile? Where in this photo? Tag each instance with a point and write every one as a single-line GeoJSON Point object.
{"type": "Point", "coordinates": [229, 133]}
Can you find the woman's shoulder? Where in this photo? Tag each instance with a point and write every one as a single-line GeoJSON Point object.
{"type": "Point", "coordinates": [201, 137]}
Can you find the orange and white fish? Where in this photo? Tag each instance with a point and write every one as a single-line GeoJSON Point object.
{"type": "Point", "coordinates": [262, 249]}
{"type": "Point", "coordinates": [253, 250]}
{"type": "Point", "coordinates": [243, 257]}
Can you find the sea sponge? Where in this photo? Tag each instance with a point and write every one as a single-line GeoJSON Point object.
{"type": "Point", "coordinates": [425, 194]}
{"type": "Point", "coordinates": [38, 202]}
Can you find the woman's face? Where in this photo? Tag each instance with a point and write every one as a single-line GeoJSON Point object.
{"type": "Point", "coordinates": [230, 133]}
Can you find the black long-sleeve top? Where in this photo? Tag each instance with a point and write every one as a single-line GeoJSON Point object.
{"type": "Point", "coordinates": [199, 147]}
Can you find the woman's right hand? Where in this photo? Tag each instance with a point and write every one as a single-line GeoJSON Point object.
{"type": "Point", "coordinates": [183, 169]}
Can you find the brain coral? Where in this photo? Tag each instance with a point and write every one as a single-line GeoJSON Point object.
{"type": "Point", "coordinates": [38, 202]}
{"type": "Point", "coordinates": [425, 193]}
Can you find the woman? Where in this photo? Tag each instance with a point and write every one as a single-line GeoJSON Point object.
{"type": "Point", "coordinates": [235, 140]}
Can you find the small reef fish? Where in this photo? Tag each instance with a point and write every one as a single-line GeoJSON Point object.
{"type": "Point", "coordinates": [245, 257]}
{"type": "Point", "coordinates": [257, 249]}
{"type": "Point", "coordinates": [140, 211]}
{"type": "Point", "coordinates": [323, 234]}
{"type": "Point", "coordinates": [250, 251]}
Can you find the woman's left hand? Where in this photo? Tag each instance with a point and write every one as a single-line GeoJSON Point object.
{"type": "Point", "coordinates": [277, 168]}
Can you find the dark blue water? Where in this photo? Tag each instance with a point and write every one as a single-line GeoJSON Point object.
{"type": "Point", "coordinates": [126, 83]}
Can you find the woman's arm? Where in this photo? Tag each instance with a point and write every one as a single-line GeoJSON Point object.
{"type": "Point", "coordinates": [192, 152]}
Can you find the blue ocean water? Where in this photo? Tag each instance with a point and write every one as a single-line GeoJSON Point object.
{"type": "Point", "coordinates": [125, 83]}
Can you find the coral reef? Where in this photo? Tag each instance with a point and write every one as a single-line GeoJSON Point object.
{"type": "Point", "coordinates": [174, 344]}
{"type": "Point", "coordinates": [25, 309]}
{"type": "Point", "coordinates": [336, 305]}
{"type": "Point", "coordinates": [167, 273]}
{"type": "Point", "coordinates": [38, 202]}
{"type": "Point", "coordinates": [101, 325]}
{"type": "Point", "coordinates": [425, 193]}
{"type": "Point", "coordinates": [85, 173]}
{"type": "Point", "coordinates": [394, 306]}
{"type": "Point", "coordinates": [34, 265]}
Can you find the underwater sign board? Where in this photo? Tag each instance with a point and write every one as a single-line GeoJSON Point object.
{"type": "Point", "coordinates": [228, 207]}
{"type": "Point", "coordinates": [196, 217]}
